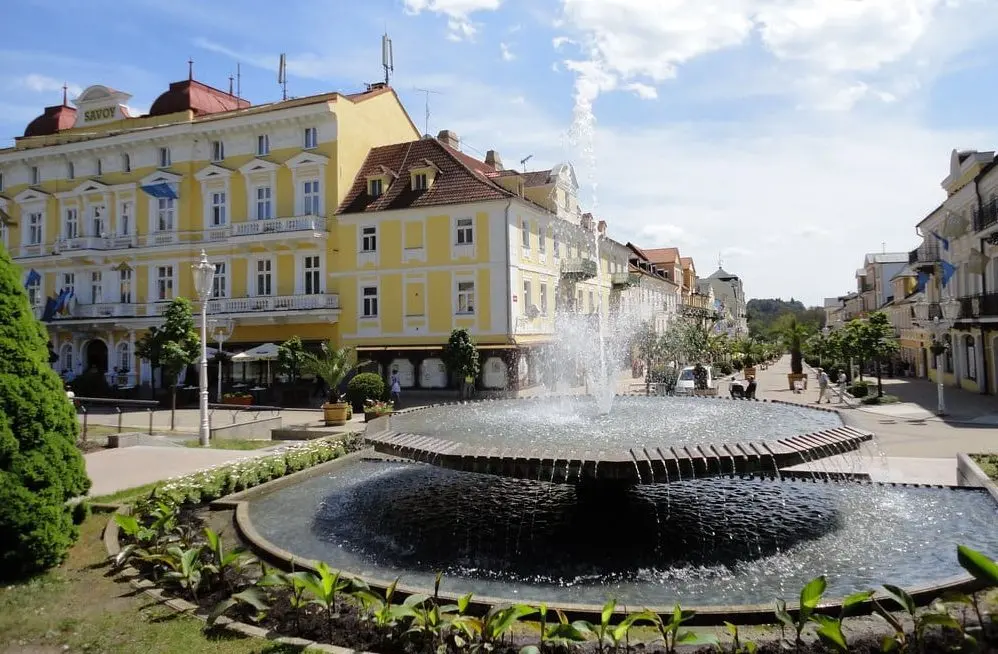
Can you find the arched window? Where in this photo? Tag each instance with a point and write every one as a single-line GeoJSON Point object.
{"type": "Point", "coordinates": [123, 356]}
{"type": "Point", "coordinates": [66, 358]}
{"type": "Point", "coordinates": [948, 342]}
{"type": "Point", "coordinates": [971, 349]}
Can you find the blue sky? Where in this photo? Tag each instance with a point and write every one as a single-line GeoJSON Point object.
{"type": "Point", "coordinates": [789, 137]}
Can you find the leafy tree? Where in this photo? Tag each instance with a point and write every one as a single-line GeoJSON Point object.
{"type": "Point", "coordinates": [291, 358]}
{"type": "Point", "coordinates": [872, 339]}
{"type": "Point", "coordinates": [649, 347]}
{"type": "Point", "coordinates": [172, 347]}
{"type": "Point", "coordinates": [40, 465]}
{"type": "Point", "coordinates": [461, 356]}
{"type": "Point", "coordinates": [793, 335]}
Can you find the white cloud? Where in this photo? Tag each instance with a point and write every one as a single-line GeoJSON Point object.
{"type": "Point", "coordinates": [643, 91]}
{"type": "Point", "coordinates": [44, 84]}
{"type": "Point", "coordinates": [458, 13]}
{"type": "Point", "coordinates": [506, 53]}
{"type": "Point", "coordinates": [302, 64]}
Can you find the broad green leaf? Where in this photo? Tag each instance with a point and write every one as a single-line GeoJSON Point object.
{"type": "Point", "coordinates": [829, 630]}
{"type": "Point", "coordinates": [852, 602]}
{"type": "Point", "coordinates": [901, 597]}
{"type": "Point", "coordinates": [608, 608]}
{"type": "Point", "coordinates": [220, 609]}
{"type": "Point", "coordinates": [811, 594]}
{"type": "Point", "coordinates": [939, 620]}
{"type": "Point", "coordinates": [977, 564]}
{"type": "Point", "coordinates": [565, 631]}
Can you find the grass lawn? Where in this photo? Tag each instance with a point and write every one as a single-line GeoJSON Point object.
{"type": "Point", "coordinates": [76, 607]}
{"type": "Point", "coordinates": [233, 444]}
{"type": "Point", "coordinates": [126, 494]}
{"type": "Point", "coordinates": [988, 464]}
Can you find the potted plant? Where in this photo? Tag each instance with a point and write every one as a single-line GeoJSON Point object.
{"type": "Point", "coordinates": [332, 365]}
{"type": "Point", "coordinates": [794, 335]}
{"type": "Point", "coordinates": [239, 399]}
{"type": "Point", "coordinates": [377, 408]}
{"type": "Point", "coordinates": [748, 366]}
{"type": "Point", "coordinates": [363, 388]}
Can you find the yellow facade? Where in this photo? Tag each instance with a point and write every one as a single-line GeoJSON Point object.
{"type": "Point", "coordinates": [83, 214]}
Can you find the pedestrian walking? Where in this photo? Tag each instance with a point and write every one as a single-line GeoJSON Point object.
{"type": "Point", "coordinates": [823, 387]}
{"type": "Point", "coordinates": [396, 389]}
{"type": "Point", "coordinates": [842, 385]}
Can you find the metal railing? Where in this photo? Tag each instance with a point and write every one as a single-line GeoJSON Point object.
{"type": "Point", "coordinates": [85, 406]}
{"type": "Point", "coordinates": [980, 305]}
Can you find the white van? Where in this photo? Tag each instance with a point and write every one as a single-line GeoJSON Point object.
{"type": "Point", "coordinates": [685, 384]}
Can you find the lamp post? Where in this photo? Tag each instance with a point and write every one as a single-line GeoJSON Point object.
{"type": "Point", "coordinates": [204, 274]}
{"type": "Point", "coordinates": [938, 325]}
{"type": "Point", "coordinates": [222, 330]}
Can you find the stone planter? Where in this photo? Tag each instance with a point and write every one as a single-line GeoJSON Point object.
{"type": "Point", "coordinates": [335, 413]}
{"type": "Point", "coordinates": [791, 378]}
{"type": "Point", "coordinates": [374, 415]}
{"type": "Point", "coordinates": [748, 372]}
{"type": "Point", "coordinates": [238, 401]}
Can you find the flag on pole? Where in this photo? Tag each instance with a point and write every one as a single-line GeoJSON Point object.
{"type": "Point", "coordinates": [948, 271]}
{"type": "Point", "coordinates": [944, 241]}
{"type": "Point", "coordinates": [49, 312]}
{"type": "Point", "coordinates": [921, 281]}
{"type": "Point", "coordinates": [33, 278]}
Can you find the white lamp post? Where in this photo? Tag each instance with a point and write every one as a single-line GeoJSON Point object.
{"type": "Point", "coordinates": [938, 325]}
{"type": "Point", "coordinates": [204, 274]}
{"type": "Point", "coordinates": [222, 330]}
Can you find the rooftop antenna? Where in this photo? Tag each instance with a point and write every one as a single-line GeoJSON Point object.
{"type": "Point", "coordinates": [523, 162]}
{"type": "Point", "coordinates": [239, 81]}
{"type": "Point", "coordinates": [719, 266]}
{"type": "Point", "coordinates": [883, 247]}
{"type": "Point", "coordinates": [282, 76]}
{"type": "Point", "coordinates": [387, 57]}
{"type": "Point", "coordinates": [65, 89]}
{"type": "Point", "coordinates": [426, 118]}
{"type": "Point", "coordinates": [190, 68]}
{"type": "Point", "coordinates": [230, 84]}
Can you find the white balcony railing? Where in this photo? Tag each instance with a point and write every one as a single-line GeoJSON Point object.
{"type": "Point", "coordinates": [539, 325]}
{"type": "Point", "coordinates": [260, 304]}
{"type": "Point", "coordinates": [104, 310]}
{"type": "Point", "coordinates": [96, 243]}
{"type": "Point", "coordinates": [279, 226]}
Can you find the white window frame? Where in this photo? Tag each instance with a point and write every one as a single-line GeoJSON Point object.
{"type": "Point", "coordinates": [123, 357]}
{"type": "Point", "coordinates": [126, 217]}
{"type": "Point", "coordinates": [70, 170]}
{"type": "Point", "coordinates": [310, 138]}
{"type": "Point", "coordinates": [66, 363]}
{"type": "Point", "coordinates": [263, 203]}
{"type": "Point", "coordinates": [34, 291]}
{"type": "Point", "coordinates": [541, 240]}
{"type": "Point", "coordinates": [71, 223]}
{"type": "Point", "coordinates": [36, 176]}
{"type": "Point", "coordinates": [420, 181]}
{"type": "Point", "coordinates": [378, 185]}
{"type": "Point", "coordinates": [217, 151]}
{"type": "Point", "coordinates": [310, 275]}
{"type": "Point", "coordinates": [368, 243]}
{"type": "Point", "coordinates": [126, 162]}
{"type": "Point", "coordinates": [164, 286]}
{"type": "Point", "coordinates": [165, 158]}
{"type": "Point", "coordinates": [259, 173]}
{"type": "Point", "coordinates": [218, 201]}
{"type": "Point", "coordinates": [166, 214]}
{"type": "Point", "coordinates": [263, 268]}
{"type": "Point", "coordinates": [543, 298]}
{"type": "Point", "coordinates": [214, 179]}
{"type": "Point", "coordinates": [308, 167]}
{"type": "Point", "coordinates": [464, 231]}
{"type": "Point", "coordinates": [525, 234]}
{"type": "Point", "coordinates": [527, 295]}
{"type": "Point", "coordinates": [152, 215]}
{"type": "Point", "coordinates": [125, 288]}
{"type": "Point", "coordinates": [311, 197]}
{"type": "Point", "coordinates": [35, 226]}
{"type": "Point", "coordinates": [464, 298]}
{"type": "Point", "coordinates": [97, 220]}
{"type": "Point", "coordinates": [220, 282]}
{"type": "Point", "coordinates": [262, 145]}
{"type": "Point", "coordinates": [96, 287]}
{"type": "Point", "coordinates": [369, 303]}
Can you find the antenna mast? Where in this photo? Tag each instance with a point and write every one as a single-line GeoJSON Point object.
{"type": "Point", "coordinates": [523, 162]}
{"type": "Point", "coordinates": [387, 57]}
{"type": "Point", "coordinates": [426, 117]}
{"type": "Point", "coordinates": [282, 76]}
{"type": "Point", "coordinates": [239, 81]}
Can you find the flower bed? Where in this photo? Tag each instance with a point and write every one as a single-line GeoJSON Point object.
{"type": "Point", "coordinates": [167, 540]}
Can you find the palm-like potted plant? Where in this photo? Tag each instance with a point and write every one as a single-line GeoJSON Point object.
{"type": "Point", "coordinates": [332, 365]}
{"type": "Point", "coordinates": [794, 334]}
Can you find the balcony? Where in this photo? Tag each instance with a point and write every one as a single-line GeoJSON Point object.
{"type": "Point", "coordinates": [979, 306]}
{"type": "Point", "coordinates": [621, 280]}
{"type": "Point", "coordinates": [278, 226]}
{"type": "Point", "coordinates": [102, 243]}
{"type": "Point", "coordinates": [926, 255]}
{"type": "Point", "coordinates": [987, 216]}
{"type": "Point", "coordinates": [579, 269]}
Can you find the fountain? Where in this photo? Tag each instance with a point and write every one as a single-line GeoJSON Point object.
{"type": "Point", "coordinates": [652, 500]}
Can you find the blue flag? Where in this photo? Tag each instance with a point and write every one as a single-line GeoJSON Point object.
{"type": "Point", "coordinates": [921, 281]}
{"type": "Point", "coordinates": [944, 241]}
{"type": "Point", "coordinates": [49, 312]}
{"type": "Point", "coordinates": [32, 278]}
{"type": "Point", "coordinates": [948, 271]}
{"type": "Point", "coordinates": [161, 190]}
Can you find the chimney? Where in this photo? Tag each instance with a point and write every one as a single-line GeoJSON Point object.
{"type": "Point", "coordinates": [448, 137]}
{"type": "Point", "coordinates": [493, 159]}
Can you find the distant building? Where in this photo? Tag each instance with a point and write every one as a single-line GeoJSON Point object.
{"type": "Point", "coordinates": [729, 297]}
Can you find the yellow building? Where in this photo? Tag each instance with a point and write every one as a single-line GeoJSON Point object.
{"type": "Point", "coordinates": [106, 211]}
{"type": "Point", "coordinates": [433, 239]}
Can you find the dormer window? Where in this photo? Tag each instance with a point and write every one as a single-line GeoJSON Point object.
{"type": "Point", "coordinates": [164, 158]}
{"type": "Point", "coordinates": [217, 151]}
{"type": "Point", "coordinates": [100, 167]}
{"type": "Point", "coordinates": [35, 176]}
{"type": "Point", "coordinates": [376, 187]}
{"type": "Point", "coordinates": [419, 182]}
{"type": "Point", "coordinates": [262, 145]}
{"type": "Point", "coordinates": [70, 170]}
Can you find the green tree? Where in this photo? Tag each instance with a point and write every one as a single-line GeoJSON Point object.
{"type": "Point", "coordinates": [649, 347]}
{"type": "Point", "coordinates": [331, 365]}
{"type": "Point", "coordinates": [172, 347]}
{"type": "Point", "coordinates": [461, 357]}
{"type": "Point", "coordinates": [40, 465]}
{"type": "Point", "coordinates": [793, 335]}
{"type": "Point", "coordinates": [872, 339]}
{"type": "Point", "coordinates": [291, 358]}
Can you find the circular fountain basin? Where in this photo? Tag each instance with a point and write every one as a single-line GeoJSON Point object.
{"type": "Point", "coordinates": [709, 542]}
{"type": "Point", "coordinates": [643, 440]}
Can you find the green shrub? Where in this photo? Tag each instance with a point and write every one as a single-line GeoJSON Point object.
{"type": "Point", "coordinates": [365, 386]}
{"type": "Point", "coordinates": [859, 389]}
{"type": "Point", "coordinates": [724, 368]}
{"type": "Point", "coordinates": [40, 465]}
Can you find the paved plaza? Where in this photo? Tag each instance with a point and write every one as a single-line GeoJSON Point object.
{"type": "Point", "coordinates": [912, 444]}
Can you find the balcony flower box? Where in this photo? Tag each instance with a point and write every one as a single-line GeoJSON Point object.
{"type": "Point", "coordinates": [374, 409]}
{"type": "Point", "coordinates": [238, 399]}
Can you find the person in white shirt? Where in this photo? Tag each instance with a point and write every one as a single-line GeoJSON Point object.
{"type": "Point", "coordinates": [823, 387]}
{"type": "Point", "coordinates": [841, 385]}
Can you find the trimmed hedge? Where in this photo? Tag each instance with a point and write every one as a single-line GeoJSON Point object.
{"type": "Point", "coordinates": [40, 465]}
{"type": "Point", "coordinates": [363, 387]}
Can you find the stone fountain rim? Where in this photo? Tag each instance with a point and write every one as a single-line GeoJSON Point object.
{"type": "Point", "coordinates": [706, 615]}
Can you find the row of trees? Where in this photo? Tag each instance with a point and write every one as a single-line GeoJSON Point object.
{"type": "Point", "coordinates": [865, 340]}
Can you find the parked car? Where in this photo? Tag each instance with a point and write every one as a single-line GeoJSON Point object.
{"type": "Point", "coordinates": [686, 383]}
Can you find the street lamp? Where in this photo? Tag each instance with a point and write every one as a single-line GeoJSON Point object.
{"type": "Point", "coordinates": [221, 330]}
{"type": "Point", "coordinates": [204, 274]}
{"type": "Point", "coordinates": [938, 325]}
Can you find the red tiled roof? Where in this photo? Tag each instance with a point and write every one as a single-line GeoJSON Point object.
{"type": "Point", "coordinates": [662, 255]}
{"type": "Point", "coordinates": [54, 119]}
{"type": "Point", "coordinates": [461, 178]}
{"type": "Point", "coordinates": [537, 178]}
{"type": "Point", "coordinates": [686, 261]}
{"type": "Point", "coordinates": [197, 97]}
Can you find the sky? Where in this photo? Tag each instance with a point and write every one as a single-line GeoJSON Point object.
{"type": "Point", "coordinates": [785, 138]}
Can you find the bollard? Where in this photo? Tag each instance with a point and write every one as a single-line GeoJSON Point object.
{"type": "Point", "coordinates": [84, 410]}
{"type": "Point", "coordinates": [118, 409]}
{"type": "Point", "coordinates": [150, 421]}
